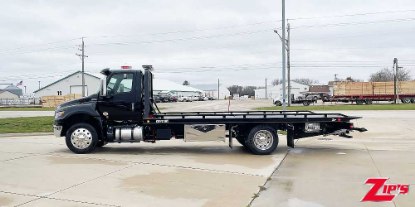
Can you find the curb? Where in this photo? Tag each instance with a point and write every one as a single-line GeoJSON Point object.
{"type": "Point", "coordinates": [25, 134]}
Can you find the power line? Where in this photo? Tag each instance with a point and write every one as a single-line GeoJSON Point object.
{"type": "Point", "coordinates": [188, 31]}
{"type": "Point", "coordinates": [352, 15]}
{"type": "Point", "coordinates": [354, 23]}
{"type": "Point", "coordinates": [37, 50]}
{"type": "Point", "coordinates": [184, 39]}
{"type": "Point", "coordinates": [30, 46]}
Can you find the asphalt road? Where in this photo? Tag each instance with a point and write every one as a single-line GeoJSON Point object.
{"type": "Point", "coordinates": [15, 114]}
{"type": "Point", "coordinates": [215, 105]}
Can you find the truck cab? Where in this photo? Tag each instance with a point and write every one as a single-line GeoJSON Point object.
{"type": "Point", "coordinates": [88, 120]}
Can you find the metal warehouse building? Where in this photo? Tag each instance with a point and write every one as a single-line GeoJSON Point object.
{"type": "Point", "coordinates": [71, 84]}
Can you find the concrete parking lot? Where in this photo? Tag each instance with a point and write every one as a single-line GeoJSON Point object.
{"type": "Point", "coordinates": [331, 171]}
{"type": "Point", "coordinates": [322, 171]}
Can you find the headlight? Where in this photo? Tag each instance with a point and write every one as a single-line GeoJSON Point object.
{"type": "Point", "coordinates": [59, 114]}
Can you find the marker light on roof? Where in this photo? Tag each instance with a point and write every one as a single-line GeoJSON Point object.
{"type": "Point", "coordinates": [126, 67]}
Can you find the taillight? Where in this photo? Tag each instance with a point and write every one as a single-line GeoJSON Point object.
{"type": "Point", "coordinates": [351, 126]}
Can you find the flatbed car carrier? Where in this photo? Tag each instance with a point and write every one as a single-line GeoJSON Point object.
{"type": "Point", "coordinates": [124, 111]}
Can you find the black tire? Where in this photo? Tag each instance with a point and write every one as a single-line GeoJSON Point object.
{"type": "Point", "coordinates": [101, 143]}
{"type": "Point", "coordinates": [89, 138]}
{"type": "Point", "coordinates": [412, 100]}
{"type": "Point", "coordinates": [359, 102]}
{"type": "Point", "coordinates": [306, 103]}
{"type": "Point", "coordinates": [368, 101]}
{"type": "Point", "coordinates": [252, 140]}
{"type": "Point", "coordinates": [406, 100]}
{"type": "Point", "coordinates": [241, 140]}
{"type": "Point", "coordinates": [278, 103]}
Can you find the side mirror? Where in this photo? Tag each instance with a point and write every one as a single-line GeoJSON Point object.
{"type": "Point", "coordinates": [103, 91]}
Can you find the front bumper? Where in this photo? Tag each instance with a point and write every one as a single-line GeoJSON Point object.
{"type": "Point", "coordinates": [57, 130]}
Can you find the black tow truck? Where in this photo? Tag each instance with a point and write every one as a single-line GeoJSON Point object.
{"type": "Point", "coordinates": [124, 111]}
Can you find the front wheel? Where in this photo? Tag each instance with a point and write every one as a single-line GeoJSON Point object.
{"type": "Point", "coordinates": [278, 103]}
{"type": "Point", "coordinates": [262, 140]}
{"type": "Point", "coordinates": [81, 138]}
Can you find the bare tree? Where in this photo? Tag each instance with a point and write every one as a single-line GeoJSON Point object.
{"type": "Point", "coordinates": [350, 79]}
{"type": "Point", "coordinates": [386, 74]}
{"type": "Point", "coordinates": [248, 90]}
{"type": "Point", "coordinates": [186, 83]}
{"type": "Point", "coordinates": [276, 82]}
{"type": "Point", "coordinates": [235, 89]}
{"type": "Point", "coordinates": [305, 81]}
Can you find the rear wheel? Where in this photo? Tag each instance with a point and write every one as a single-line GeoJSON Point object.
{"type": "Point", "coordinates": [81, 138]}
{"type": "Point", "coordinates": [262, 140]}
{"type": "Point", "coordinates": [306, 103]}
{"type": "Point", "coordinates": [406, 100]}
{"type": "Point", "coordinates": [278, 103]}
{"type": "Point", "coordinates": [359, 102]}
{"type": "Point", "coordinates": [241, 140]}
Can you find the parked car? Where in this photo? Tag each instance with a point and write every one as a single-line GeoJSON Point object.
{"type": "Point", "coordinates": [185, 99]}
{"type": "Point", "coordinates": [156, 98]}
{"type": "Point", "coordinates": [173, 98]}
{"type": "Point", "coordinates": [165, 96]}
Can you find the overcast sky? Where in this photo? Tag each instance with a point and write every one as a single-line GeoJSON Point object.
{"type": "Point", "coordinates": [203, 40]}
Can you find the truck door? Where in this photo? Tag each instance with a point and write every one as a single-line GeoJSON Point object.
{"type": "Point", "coordinates": [121, 100]}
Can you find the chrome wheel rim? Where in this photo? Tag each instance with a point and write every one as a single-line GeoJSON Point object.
{"type": "Point", "coordinates": [263, 139]}
{"type": "Point", "coordinates": [81, 138]}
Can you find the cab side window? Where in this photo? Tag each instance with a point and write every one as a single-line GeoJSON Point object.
{"type": "Point", "coordinates": [120, 84]}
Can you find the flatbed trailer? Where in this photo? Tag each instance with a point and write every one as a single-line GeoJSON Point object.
{"type": "Point", "coordinates": [369, 99]}
{"type": "Point", "coordinates": [132, 116]}
{"type": "Point", "coordinates": [367, 92]}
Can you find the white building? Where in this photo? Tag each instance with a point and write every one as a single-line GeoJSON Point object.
{"type": "Point", "coordinates": [175, 88]}
{"type": "Point", "coordinates": [273, 92]}
{"type": "Point", "coordinates": [71, 84]}
{"type": "Point", "coordinates": [7, 95]}
{"type": "Point", "coordinates": [211, 90]}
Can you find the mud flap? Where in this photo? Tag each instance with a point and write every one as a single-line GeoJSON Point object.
{"type": "Point", "coordinates": [230, 138]}
{"type": "Point", "coordinates": [290, 136]}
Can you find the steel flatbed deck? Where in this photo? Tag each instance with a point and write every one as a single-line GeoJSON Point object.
{"type": "Point", "coordinates": [247, 117]}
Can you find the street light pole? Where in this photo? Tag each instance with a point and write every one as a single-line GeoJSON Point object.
{"type": "Point", "coordinates": [283, 56]}
{"type": "Point", "coordinates": [288, 65]}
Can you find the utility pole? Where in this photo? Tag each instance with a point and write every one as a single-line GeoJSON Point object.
{"type": "Point", "coordinates": [39, 84]}
{"type": "Point", "coordinates": [395, 80]}
{"type": "Point", "coordinates": [82, 55]}
{"type": "Point", "coordinates": [283, 56]}
{"type": "Point", "coordinates": [218, 88]}
{"type": "Point", "coordinates": [288, 65]}
{"type": "Point", "coordinates": [266, 89]}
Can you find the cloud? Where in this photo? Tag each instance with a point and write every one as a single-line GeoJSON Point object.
{"type": "Point", "coordinates": [231, 40]}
